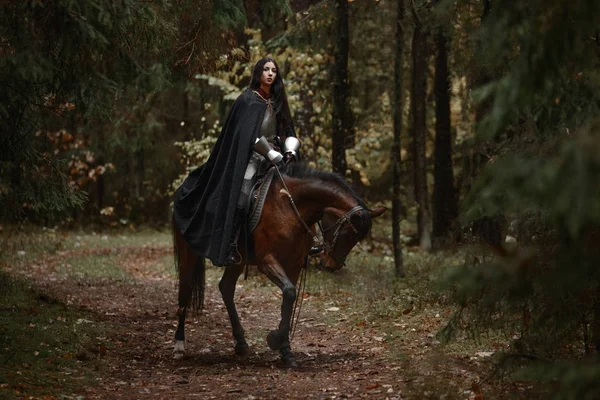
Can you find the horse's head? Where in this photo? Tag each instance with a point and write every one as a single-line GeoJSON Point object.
{"type": "Point", "coordinates": [342, 231]}
{"type": "Point", "coordinates": [345, 218]}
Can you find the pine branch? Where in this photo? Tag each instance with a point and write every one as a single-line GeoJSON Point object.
{"type": "Point", "coordinates": [300, 24]}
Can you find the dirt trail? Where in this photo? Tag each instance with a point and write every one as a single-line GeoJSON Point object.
{"type": "Point", "coordinates": [337, 358]}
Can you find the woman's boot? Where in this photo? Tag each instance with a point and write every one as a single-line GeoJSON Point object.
{"type": "Point", "coordinates": [233, 255]}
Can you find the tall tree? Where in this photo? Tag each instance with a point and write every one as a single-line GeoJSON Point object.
{"type": "Point", "coordinates": [488, 227]}
{"type": "Point", "coordinates": [341, 121]}
{"type": "Point", "coordinates": [396, 155]}
{"type": "Point", "coordinates": [542, 117]}
{"type": "Point", "coordinates": [59, 59]}
{"type": "Point", "coordinates": [420, 52]}
{"type": "Point", "coordinates": [445, 206]}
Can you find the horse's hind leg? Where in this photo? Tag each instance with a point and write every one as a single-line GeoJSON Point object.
{"type": "Point", "coordinates": [186, 275]}
{"type": "Point", "coordinates": [227, 288]}
{"type": "Point", "coordinates": [179, 348]}
{"type": "Point", "coordinates": [191, 288]}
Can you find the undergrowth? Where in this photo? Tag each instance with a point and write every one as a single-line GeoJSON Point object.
{"type": "Point", "coordinates": [46, 347]}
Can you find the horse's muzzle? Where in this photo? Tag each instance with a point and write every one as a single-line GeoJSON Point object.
{"type": "Point", "coordinates": [329, 263]}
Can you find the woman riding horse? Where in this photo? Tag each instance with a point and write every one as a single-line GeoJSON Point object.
{"type": "Point", "coordinates": [209, 207]}
{"type": "Point", "coordinates": [210, 204]}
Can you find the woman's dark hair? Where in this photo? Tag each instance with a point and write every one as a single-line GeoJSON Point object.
{"type": "Point", "coordinates": [278, 96]}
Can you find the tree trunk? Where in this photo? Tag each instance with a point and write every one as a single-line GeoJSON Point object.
{"type": "Point", "coordinates": [418, 106]}
{"type": "Point", "coordinates": [488, 228]}
{"type": "Point", "coordinates": [396, 155]}
{"type": "Point", "coordinates": [185, 117]}
{"type": "Point", "coordinates": [596, 323]}
{"type": "Point", "coordinates": [16, 179]}
{"type": "Point", "coordinates": [303, 117]}
{"type": "Point", "coordinates": [481, 75]}
{"type": "Point", "coordinates": [486, 8]}
{"type": "Point", "coordinates": [139, 173]}
{"type": "Point", "coordinates": [340, 118]}
{"type": "Point", "coordinates": [445, 207]}
{"type": "Point", "coordinates": [100, 187]}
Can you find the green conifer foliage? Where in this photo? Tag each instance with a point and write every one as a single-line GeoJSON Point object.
{"type": "Point", "coordinates": [545, 177]}
{"type": "Point", "coordinates": [229, 13]}
{"type": "Point", "coordinates": [64, 62]}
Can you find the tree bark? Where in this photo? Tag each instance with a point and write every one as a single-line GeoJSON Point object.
{"type": "Point", "coordinates": [396, 155]}
{"type": "Point", "coordinates": [303, 117]}
{"type": "Point", "coordinates": [340, 117]}
{"type": "Point", "coordinates": [100, 184]}
{"type": "Point", "coordinates": [596, 323]}
{"type": "Point", "coordinates": [185, 117]}
{"type": "Point", "coordinates": [487, 6]}
{"type": "Point", "coordinates": [139, 173]}
{"type": "Point", "coordinates": [418, 106]}
{"type": "Point", "coordinates": [481, 74]}
{"type": "Point", "coordinates": [445, 207]}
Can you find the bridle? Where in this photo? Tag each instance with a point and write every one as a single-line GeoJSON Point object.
{"type": "Point", "coordinates": [337, 228]}
{"type": "Point", "coordinates": [327, 246]}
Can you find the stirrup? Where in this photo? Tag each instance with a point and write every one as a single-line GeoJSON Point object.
{"type": "Point", "coordinates": [233, 256]}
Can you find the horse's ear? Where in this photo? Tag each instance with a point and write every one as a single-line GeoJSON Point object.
{"type": "Point", "coordinates": [378, 211]}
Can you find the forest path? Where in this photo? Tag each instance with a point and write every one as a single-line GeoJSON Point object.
{"type": "Point", "coordinates": [339, 354]}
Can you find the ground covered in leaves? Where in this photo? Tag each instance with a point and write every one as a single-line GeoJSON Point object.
{"type": "Point", "coordinates": [359, 335]}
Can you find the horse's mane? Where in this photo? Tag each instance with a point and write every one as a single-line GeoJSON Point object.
{"type": "Point", "coordinates": [301, 170]}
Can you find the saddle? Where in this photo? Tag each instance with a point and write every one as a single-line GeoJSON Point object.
{"type": "Point", "coordinates": [258, 195]}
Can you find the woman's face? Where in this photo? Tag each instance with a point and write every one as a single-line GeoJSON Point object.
{"type": "Point", "coordinates": [269, 74]}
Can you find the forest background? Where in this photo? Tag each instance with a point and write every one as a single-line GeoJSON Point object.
{"type": "Point", "coordinates": [473, 120]}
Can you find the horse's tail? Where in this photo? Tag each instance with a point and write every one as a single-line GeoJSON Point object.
{"type": "Point", "coordinates": [191, 270]}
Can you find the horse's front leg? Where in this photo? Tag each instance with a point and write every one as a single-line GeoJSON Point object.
{"type": "Point", "coordinates": [227, 288]}
{"type": "Point", "coordinates": [280, 339]}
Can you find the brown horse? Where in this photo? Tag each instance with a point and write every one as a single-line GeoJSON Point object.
{"type": "Point", "coordinates": [282, 240]}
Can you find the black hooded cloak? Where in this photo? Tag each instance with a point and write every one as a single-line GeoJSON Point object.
{"type": "Point", "coordinates": [205, 203]}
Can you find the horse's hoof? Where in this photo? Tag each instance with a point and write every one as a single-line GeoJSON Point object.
{"type": "Point", "coordinates": [274, 340]}
{"type": "Point", "coordinates": [179, 350]}
{"type": "Point", "coordinates": [287, 358]}
{"type": "Point", "coordinates": [289, 362]}
{"type": "Point", "coordinates": [242, 349]}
